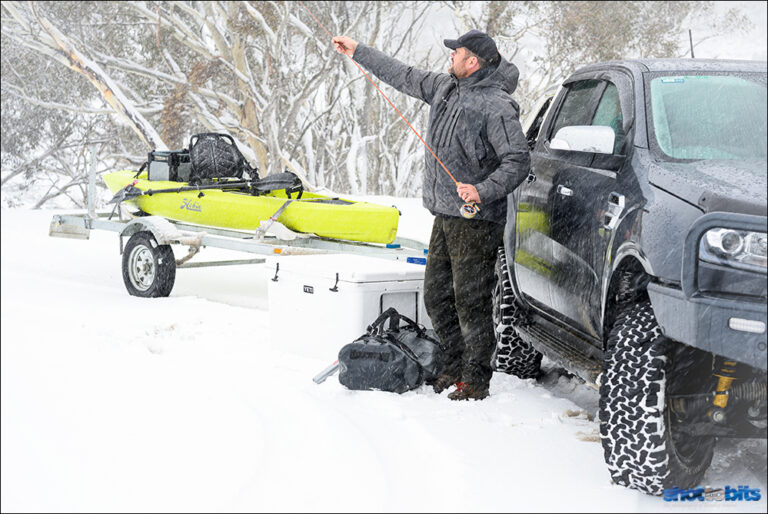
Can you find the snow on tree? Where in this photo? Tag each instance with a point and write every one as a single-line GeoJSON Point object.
{"type": "Point", "coordinates": [127, 77]}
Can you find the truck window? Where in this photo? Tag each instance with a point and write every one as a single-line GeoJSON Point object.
{"type": "Point", "coordinates": [608, 114]}
{"type": "Point", "coordinates": [709, 116]}
{"type": "Point", "coordinates": [574, 110]}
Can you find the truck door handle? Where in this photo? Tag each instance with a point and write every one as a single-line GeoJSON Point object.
{"type": "Point", "coordinates": [561, 189]}
{"type": "Point", "coordinates": [616, 204]}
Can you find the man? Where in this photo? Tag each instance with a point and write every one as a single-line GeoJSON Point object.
{"type": "Point", "coordinates": [474, 129]}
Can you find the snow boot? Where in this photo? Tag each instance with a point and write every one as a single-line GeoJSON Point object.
{"type": "Point", "coordinates": [444, 382]}
{"type": "Point", "coordinates": [466, 391]}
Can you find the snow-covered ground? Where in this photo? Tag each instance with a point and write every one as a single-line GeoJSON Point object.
{"type": "Point", "coordinates": [115, 403]}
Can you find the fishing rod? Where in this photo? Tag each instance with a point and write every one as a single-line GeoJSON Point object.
{"type": "Point", "coordinates": [468, 210]}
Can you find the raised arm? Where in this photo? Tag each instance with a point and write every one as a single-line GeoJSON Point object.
{"type": "Point", "coordinates": [406, 79]}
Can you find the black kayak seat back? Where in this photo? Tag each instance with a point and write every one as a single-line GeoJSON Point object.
{"type": "Point", "coordinates": [214, 155]}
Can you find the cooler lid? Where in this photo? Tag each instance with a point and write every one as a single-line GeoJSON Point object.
{"type": "Point", "coordinates": [351, 268]}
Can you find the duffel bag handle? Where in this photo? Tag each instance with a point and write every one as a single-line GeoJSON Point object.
{"type": "Point", "coordinates": [421, 331]}
{"type": "Point", "coordinates": [396, 317]}
{"type": "Point", "coordinates": [378, 324]}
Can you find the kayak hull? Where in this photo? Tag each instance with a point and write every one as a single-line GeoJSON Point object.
{"type": "Point", "coordinates": [324, 216]}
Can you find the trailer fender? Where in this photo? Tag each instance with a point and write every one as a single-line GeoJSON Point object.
{"type": "Point", "coordinates": [164, 231]}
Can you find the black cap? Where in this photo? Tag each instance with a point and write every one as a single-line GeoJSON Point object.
{"type": "Point", "coordinates": [479, 43]}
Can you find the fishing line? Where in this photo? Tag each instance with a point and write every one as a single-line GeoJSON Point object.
{"type": "Point", "coordinates": [468, 210]}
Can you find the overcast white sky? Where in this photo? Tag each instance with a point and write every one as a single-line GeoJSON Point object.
{"type": "Point", "coordinates": [749, 45]}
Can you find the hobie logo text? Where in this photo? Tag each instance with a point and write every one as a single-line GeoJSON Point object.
{"type": "Point", "coordinates": [191, 205]}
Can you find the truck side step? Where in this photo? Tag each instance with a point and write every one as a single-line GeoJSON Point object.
{"type": "Point", "coordinates": [562, 353]}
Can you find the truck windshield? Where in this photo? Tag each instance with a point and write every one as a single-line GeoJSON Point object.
{"type": "Point", "coordinates": [709, 116]}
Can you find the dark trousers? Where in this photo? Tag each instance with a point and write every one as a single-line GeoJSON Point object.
{"type": "Point", "coordinates": [458, 284]}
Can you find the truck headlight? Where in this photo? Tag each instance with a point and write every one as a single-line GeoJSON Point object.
{"type": "Point", "coordinates": [736, 248]}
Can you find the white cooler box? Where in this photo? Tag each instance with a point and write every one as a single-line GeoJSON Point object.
{"type": "Point", "coordinates": [322, 302]}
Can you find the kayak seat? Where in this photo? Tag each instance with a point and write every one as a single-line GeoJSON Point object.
{"type": "Point", "coordinates": [215, 156]}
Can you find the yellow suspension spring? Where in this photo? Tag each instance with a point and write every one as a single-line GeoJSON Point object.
{"type": "Point", "coordinates": [726, 374]}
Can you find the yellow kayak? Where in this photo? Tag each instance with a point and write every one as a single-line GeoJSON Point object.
{"type": "Point", "coordinates": [324, 216]}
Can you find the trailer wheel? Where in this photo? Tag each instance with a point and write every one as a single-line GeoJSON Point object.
{"type": "Point", "coordinates": [149, 269]}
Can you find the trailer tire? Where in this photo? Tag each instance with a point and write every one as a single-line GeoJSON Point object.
{"type": "Point", "coordinates": [512, 355]}
{"type": "Point", "coordinates": [642, 446]}
{"type": "Point", "coordinates": [149, 269]}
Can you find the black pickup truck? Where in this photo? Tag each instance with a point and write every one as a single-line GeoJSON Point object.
{"type": "Point", "coordinates": [635, 257]}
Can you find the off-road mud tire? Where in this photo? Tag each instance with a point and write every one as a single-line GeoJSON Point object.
{"type": "Point", "coordinates": [642, 447]}
{"type": "Point", "coordinates": [512, 355]}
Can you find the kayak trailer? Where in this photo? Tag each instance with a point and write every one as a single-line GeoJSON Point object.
{"type": "Point", "coordinates": [149, 264]}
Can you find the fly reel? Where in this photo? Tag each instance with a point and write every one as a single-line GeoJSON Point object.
{"type": "Point", "coordinates": [469, 210]}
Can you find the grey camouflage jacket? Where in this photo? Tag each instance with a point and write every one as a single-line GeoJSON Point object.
{"type": "Point", "coordinates": [474, 128]}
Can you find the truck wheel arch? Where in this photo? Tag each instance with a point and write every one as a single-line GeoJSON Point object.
{"type": "Point", "coordinates": [626, 284]}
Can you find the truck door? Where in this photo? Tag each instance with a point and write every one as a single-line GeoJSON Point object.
{"type": "Point", "coordinates": [535, 265]}
{"type": "Point", "coordinates": [581, 201]}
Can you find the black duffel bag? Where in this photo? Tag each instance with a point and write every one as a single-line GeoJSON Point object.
{"type": "Point", "coordinates": [398, 358]}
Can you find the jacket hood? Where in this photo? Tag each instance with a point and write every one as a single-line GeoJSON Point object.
{"type": "Point", "coordinates": [717, 185]}
{"type": "Point", "coordinates": [504, 76]}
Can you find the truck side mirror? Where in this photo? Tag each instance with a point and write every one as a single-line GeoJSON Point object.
{"type": "Point", "coordinates": [584, 138]}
